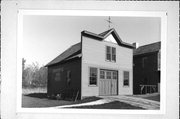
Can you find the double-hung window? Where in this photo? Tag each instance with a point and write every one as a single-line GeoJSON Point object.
{"type": "Point", "coordinates": [126, 78]}
{"type": "Point", "coordinates": [93, 76]}
{"type": "Point", "coordinates": [110, 53]}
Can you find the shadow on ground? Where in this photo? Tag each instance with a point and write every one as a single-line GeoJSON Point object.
{"type": "Point", "coordinates": [37, 95]}
{"type": "Point", "coordinates": [41, 100]}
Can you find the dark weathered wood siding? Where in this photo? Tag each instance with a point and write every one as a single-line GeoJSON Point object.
{"type": "Point", "coordinates": [62, 86]}
{"type": "Point", "coordinates": [147, 75]}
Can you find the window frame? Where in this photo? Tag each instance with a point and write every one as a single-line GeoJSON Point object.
{"type": "Point", "coordinates": [111, 54]}
{"type": "Point", "coordinates": [90, 76]}
{"type": "Point", "coordinates": [124, 79]}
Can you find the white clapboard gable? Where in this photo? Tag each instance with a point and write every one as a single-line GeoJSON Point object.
{"type": "Point", "coordinates": [110, 38]}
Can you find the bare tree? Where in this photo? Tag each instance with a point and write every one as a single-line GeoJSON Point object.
{"type": "Point", "coordinates": [34, 75]}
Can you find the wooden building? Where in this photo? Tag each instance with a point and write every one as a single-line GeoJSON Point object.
{"type": "Point", "coordinates": [100, 65]}
{"type": "Point", "coordinates": [146, 69]}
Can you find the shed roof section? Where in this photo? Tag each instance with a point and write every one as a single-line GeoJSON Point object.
{"type": "Point", "coordinates": [70, 52]}
{"type": "Point", "coordinates": [154, 47]}
{"type": "Point", "coordinates": [105, 34]}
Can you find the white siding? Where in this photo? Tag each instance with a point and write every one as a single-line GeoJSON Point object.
{"type": "Point", "coordinates": [111, 39]}
{"type": "Point", "coordinates": [94, 54]}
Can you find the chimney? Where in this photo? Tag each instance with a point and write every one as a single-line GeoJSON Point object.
{"type": "Point", "coordinates": [136, 45]}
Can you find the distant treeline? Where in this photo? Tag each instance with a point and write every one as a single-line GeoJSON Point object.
{"type": "Point", "coordinates": [33, 75]}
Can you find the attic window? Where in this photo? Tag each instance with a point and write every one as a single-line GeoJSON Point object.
{"type": "Point", "coordinates": [110, 53]}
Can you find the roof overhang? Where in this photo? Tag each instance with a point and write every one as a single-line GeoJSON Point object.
{"type": "Point", "coordinates": [102, 37]}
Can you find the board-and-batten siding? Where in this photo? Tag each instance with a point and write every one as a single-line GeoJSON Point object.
{"type": "Point", "coordinates": [94, 55]}
{"type": "Point", "coordinates": [62, 86]}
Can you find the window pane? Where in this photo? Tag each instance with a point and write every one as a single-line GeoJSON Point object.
{"type": "Point", "coordinates": [114, 74]}
{"type": "Point", "coordinates": [126, 78]}
{"type": "Point", "coordinates": [113, 51]}
{"type": "Point", "coordinates": [93, 80]}
{"type": "Point", "coordinates": [108, 57]}
{"type": "Point", "coordinates": [108, 75]}
{"type": "Point", "coordinates": [126, 83]}
{"type": "Point", "coordinates": [102, 74]}
{"type": "Point", "coordinates": [113, 54]}
{"type": "Point", "coordinates": [108, 49]}
{"type": "Point", "coordinates": [114, 57]}
{"type": "Point", "coordinates": [93, 71]}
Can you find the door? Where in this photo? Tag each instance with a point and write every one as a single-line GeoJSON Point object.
{"type": "Point", "coordinates": [108, 82]}
{"type": "Point", "coordinates": [114, 83]}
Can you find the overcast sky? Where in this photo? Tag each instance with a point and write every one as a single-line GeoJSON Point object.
{"type": "Point", "coordinates": [45, 37]}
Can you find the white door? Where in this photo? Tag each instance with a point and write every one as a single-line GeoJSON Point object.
{"type": "Point", "coordinates": [108, 82]}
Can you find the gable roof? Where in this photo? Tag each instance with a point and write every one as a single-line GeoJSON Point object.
{"type": "Point", "coordinates": [105, 34]}
{"type": "Point", "coordinates": [70, 52]}
{"type": "Point", "coordinates": [154, 47]}
{"type": "Point", "coordinates": [75, 50]}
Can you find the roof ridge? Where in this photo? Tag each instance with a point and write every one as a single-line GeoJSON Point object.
{"type": "Point", "coordinates": [152, 47]}
{"type": "Point", "coordinates": [149, 44]}
{"type": "Point", "coordinates": [72, 49]}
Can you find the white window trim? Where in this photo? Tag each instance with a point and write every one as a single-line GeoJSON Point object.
{"type": "Point", "coordinates": [92, 85]}
{"type": "Point", "coordinates": [114, 61]}
{"type": "Point", "coordinates": [128, 79]}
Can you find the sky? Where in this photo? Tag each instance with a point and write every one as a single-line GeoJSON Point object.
{"type": "Point", "coordinates": [46, 37]}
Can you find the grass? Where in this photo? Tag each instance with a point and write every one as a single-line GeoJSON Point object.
{"type": "Point", "coordinates": [111, 105]}
{"type": "Point", "coordinates": [40, 100]}
{"type": "Point", "coordinates": [37, 97]}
